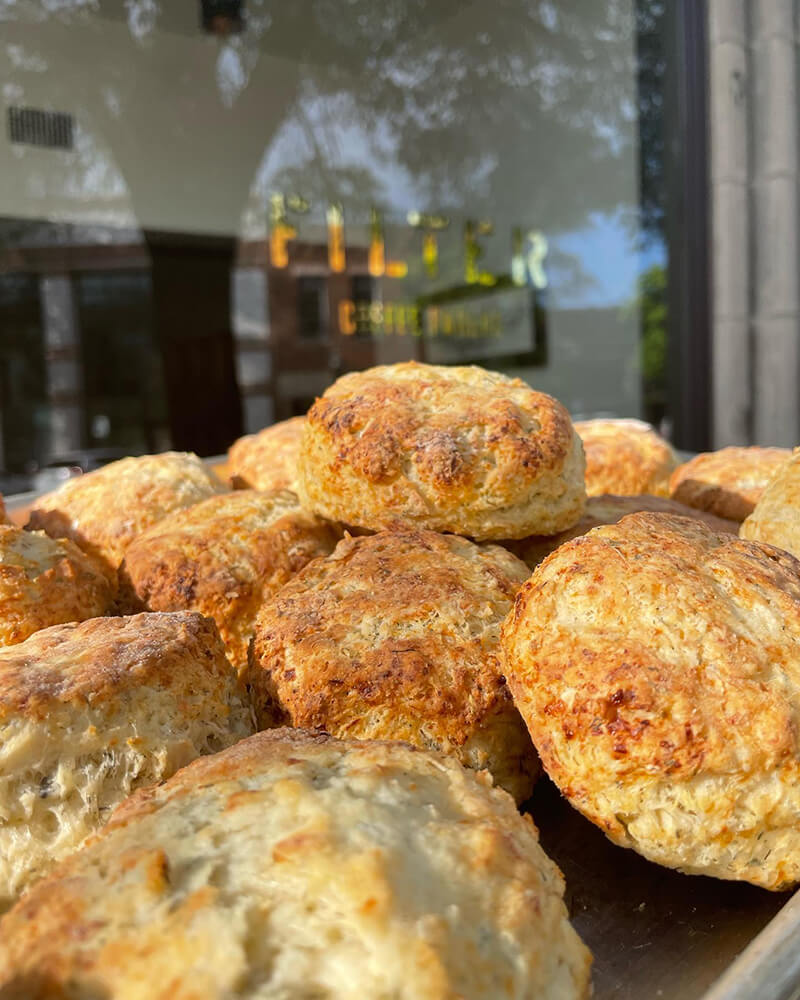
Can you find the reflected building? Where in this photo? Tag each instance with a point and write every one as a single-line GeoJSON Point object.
{"type": "Point", "coordinates": [199, 239]}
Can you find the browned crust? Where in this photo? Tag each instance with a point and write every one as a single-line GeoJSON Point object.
{"type": "Point", "coordinates": [103, 511]}
{"type": "Point", "coordinates": [608, 509]}
{"type": "Point", "coordinates": [394, 635]}
{"type": "Point", "coordinates": [728, 482]}
{"type": "Point", "coordinates": [224, 557]}
{"type": "Point", "coordinates": [651, 654]}
{"type": "Point", "coordinates": [46, 582]}
{"type": "Point", "coordinates": [452, 449]}
{"type": "Point", "coordinates": [675, 559]}
{"type": "Point", "coordinates": [97, 660]}
{"type": "Point", "coordinates": [158, 878]}
{"type": "Point", "coordinates": [625, 457]}
{"type": "Point", "coordinates": [267, 460]}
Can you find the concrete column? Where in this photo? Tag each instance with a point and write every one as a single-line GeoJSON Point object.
{"type": "Point", "coordinates": [62, 359]}
{"type": "Point", "coordinates": [730, 222]}
{"type": "Point", "coordinates": [776, 303]}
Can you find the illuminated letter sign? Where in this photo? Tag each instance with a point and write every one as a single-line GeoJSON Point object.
{"type": "Point", "coordinates": [376, 261]}
{"type": "Point", "coordinates": [280, 231]}
{"type": "Point", "coordinates": [473, 252]}
{"type": "Point", "coordinates": [336, 255]}
{"type": "Point", "coordinates": [528, 268]}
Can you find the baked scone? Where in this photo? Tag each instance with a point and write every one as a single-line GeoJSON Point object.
{"type": "Point", "coordinates": [396, 636]}
{"type": "Point", "coordinates": [3, 516]}
{"type": "Point", "coordinates": [267, 460]}
{"type": "Point", "coordinates": [625, 457]}
{"type": "Point", "coordinates": [91, 711]}
{"type": "Point", "coordinates": [103, 511]}
{"type": "Point", "coordinates": [44, 581]}
{"type": "Point", "coordinates": [608, 509]}
{"type": "Point", "coordinates": [657, 665]}
{"type": "Point", "coordinates": [776, 516]}
{"type": "Point", "coordinates": [297, 866]}
{"type": "Point", "coordinates": [224, 557]}
{"type": "Point", "coordinates": [448, 449]}
{"type": "Point", "coordinates": [728, 482]}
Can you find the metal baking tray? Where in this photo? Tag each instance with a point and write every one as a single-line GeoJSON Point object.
{"type": "Point", "coordinates": [659, 935]}
{"type": "Point", "coordinates": [655, 934]}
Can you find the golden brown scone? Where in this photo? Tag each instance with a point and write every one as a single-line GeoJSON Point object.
{"type": "Point", "coordinates": [224, 557]}
{"type": "Point", "coordinates": [267, 460]}
{"type": "Point", "coordinates": [44, 581]}
{"type": "Point", "coordinates": [625, 457]}
{"type": "Point", "coordinates": [776, 517]}
{"type": "Point", "coordinates": [301, 866]}
{"type": "Point", "coordinates": [395, 636]}
{"type": "Point", "coordinates": [657, 665]}
{"type": "Point", "coordinates": [728, 482]}
{"type": "Point", "coordinates": [3, 516]}
{"type": "Point", "coordinates": [91, 711]}
{"type": "Point", "coordinates": [608, 509]}
{"type": "Point", "coordinates": [103, 511]}
{"type": "Point", "coordinates": [449, 449]}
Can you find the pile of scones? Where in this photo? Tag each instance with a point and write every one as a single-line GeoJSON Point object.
{"type": "Point", "coordinates": [265, 730]}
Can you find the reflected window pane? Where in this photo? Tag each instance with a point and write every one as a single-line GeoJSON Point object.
{"type": "Point", "coordinates": [255, 200]}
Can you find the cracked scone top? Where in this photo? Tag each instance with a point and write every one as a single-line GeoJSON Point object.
{"type": "Point", "coordinates": [463, 450]}
{"type": "Point", "coordinates": [396, 636]}
{"type": "Point", "coordinates": [300, 866]}
{"type": "Point", "coordinates": [103, 511]}
{"type": "Point", "coordinates": [657, 665]}
{"type": "Point", "coordinates": [91, 711]}
{"type": "Point", "coordinates": [625, 457]}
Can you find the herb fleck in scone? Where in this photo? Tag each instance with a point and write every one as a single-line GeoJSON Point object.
{"type": "Point", "coordinates": [89, 712]}
{"type": "Point", "coordinates": [299, 866]}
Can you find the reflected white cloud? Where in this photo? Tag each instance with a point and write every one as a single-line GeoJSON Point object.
{"type": "Point", "coordinates": [142, 17]}
{"type": "Point", "coordinates": [231, 75]}
{"type": "Point", "coordinates": [39, 10]}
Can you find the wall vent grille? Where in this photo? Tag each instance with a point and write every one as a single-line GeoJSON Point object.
{"type": "Point", "coordinates": [34, 127]}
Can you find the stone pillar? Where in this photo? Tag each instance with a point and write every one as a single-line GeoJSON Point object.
{"type": "Point", "coordinates": [730, 229]}
{"type": "Point", "coordinates": [755, 210]}
{"type": "Point", "coordinates": [776, 309]}
{"type": "Point", "coordinates": [63, 363]}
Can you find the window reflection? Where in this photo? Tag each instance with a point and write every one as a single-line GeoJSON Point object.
{"type": "Point", "coordinates": [243, 216]}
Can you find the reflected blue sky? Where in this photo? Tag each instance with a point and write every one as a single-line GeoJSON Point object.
{"type": "Point", "coordinates": [610, 260]}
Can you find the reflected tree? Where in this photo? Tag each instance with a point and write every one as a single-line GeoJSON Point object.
{"type": "Point", "coordinates": [438, 90]}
